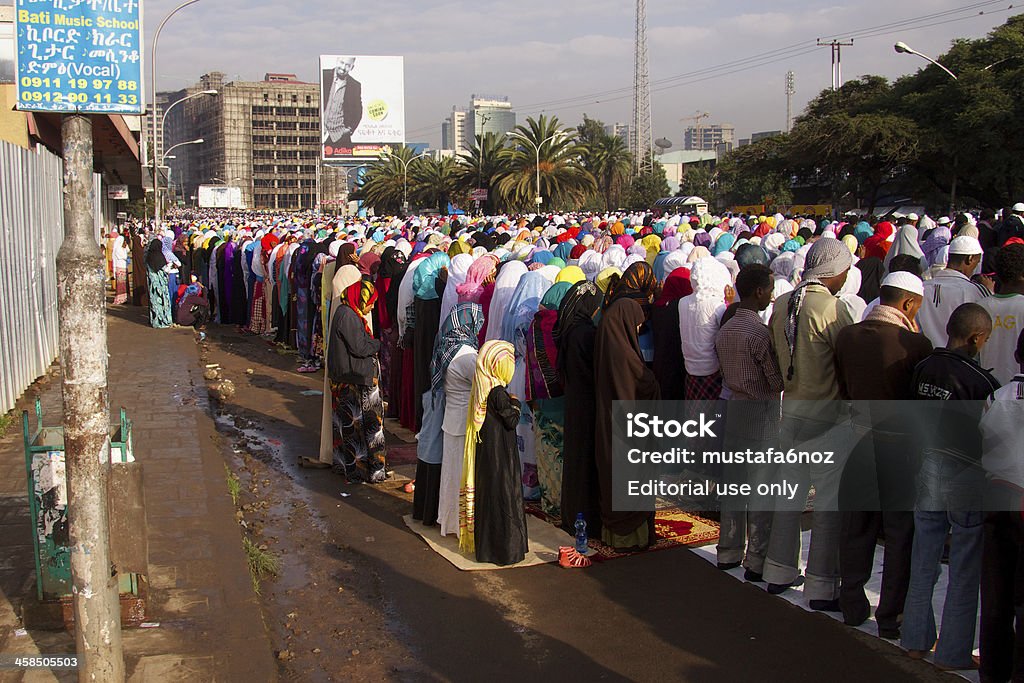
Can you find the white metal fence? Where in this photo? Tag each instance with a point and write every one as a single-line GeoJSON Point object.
{"type": "Point", "coordinates": [31, 232]}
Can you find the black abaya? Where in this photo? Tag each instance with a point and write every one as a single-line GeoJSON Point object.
{"type": "Point", "coordinates": [500, 519]}
{"type": "Point", "coordinates": [428, 320]}
{"type": "Point", "coordinates": [579, 470]}
{"type": "Point", "coordinates": [668, 364]}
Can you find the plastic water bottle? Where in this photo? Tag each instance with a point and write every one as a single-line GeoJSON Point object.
{"type": "Point", "coordinates": [581, 534]}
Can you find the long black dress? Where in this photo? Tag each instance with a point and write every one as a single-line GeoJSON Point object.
{"type": "Point", "coordinates": [579, 469]}
{"type": "Point", "coordinates": [500, 520]}
{"type": "Point", "coordinates": [668, 365]}
{"type": "Point", "coordinates": [427, 496]}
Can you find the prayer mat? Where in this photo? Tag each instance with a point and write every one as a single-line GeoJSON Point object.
{"type": "Point", "coordinates": [544, 543]}
{"type": "Point", "coordinates": [675, 528]}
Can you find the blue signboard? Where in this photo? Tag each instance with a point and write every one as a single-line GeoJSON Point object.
{"type": "Point", "coordinates": [79, 56]}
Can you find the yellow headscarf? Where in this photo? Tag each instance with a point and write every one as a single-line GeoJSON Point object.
{"type": "Point", "coordinates": [604, 278]}
{"type": "Point", "coordinates": [571, 274]}
{"type": "Point", "coordinates": [458, 247]}
{"type": "Point", "coordinates": [495, 366]}
{"type": "Point", "coordinates": [619, 229]}
{"type": "Point", "coordinates": [652, 243]}
{"type": "Point", "coordinates": [851, 243]}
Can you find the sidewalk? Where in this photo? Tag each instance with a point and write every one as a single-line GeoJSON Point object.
{"type": "Point", "coordinates": [200, 592]}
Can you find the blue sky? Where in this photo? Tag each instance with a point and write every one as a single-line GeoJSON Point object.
{"type": "Point", "coordinates": [539, 51]}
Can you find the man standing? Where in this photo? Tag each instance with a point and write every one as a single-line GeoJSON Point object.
{"type": "Point", "coordinates": [343, 104]}
{"type": "Point", "coordinates": [750, 371]}
{"type": "Point", "coordinates": [950, 489]}
{"type": "Point", "coordinates": [951, 287]}
{"type": "Point", "coordinates": [875, 361]}
{"type": "Point", "coordinates": [805, 325]}
{"type": "Point", "coordinates": [1013, 223]}
{"type": "Point", "coordinates": [1007, 311]}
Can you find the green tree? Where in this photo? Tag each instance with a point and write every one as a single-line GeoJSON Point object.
{"type": "Point", "coordinates": [754, 174]}
{"type": "Point", "coordinates": [698, 180]}
{"type": "Point", "coordinates": [382, 185]}
{"type": "Point", "coordinates": [647, 188]}
{"type": "Point", "coordinates": [482, 166]}
{"type": "Point", "coordinates": [610, 162]}
{"type": "Point", "coordinates": [436, 183]}
{"type": "Point", "coordinates": [564, 182]}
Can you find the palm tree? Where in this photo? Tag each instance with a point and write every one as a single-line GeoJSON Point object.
{"type": "Point", "coordinates": [482, 165]}
{"type": "Point", "coordinates": [563, 179]}
{"type": "Point", "coordinates": [610, 162]}
{"type": "Point", "coordinates": [436, 182]}
{"type": "Point", "coordinates": [383, 184]}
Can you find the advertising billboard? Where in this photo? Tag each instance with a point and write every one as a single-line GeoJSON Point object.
{"type": "Point", "coordinates": [362, 106]}
{"type": "Point", "coordinates": [220, 197]}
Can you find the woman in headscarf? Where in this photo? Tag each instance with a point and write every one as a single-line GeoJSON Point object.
{"type": "Point", "coordinates": [700, 315]}
{"type": "Point", "coordinates": [159, 293]}
{"type": "Point", "coordinates": [480, 274]}
{"type": "Point", "coordinates": [357, 406]}
{"type": "Point", "coordinates": [590, 264]}
{"type": "Point", "coordinates": [620, 374]}
{"type": "Point", "coordinates": [669, 366]}
{"type": "Point", "coordinates": [492, 520]}
{"type": "Point", "coordinates": [392, 267]}
{"type": "Point", "coordinates": [427, 308]}
{"type": "Point", "coordinates": [406, 327]}
{"type": "Point", "coordinates": [119, 264]}
{"type": "Point", "coordinates": [453, 367]}
{"type": "Point", "coordinates": [872, 271]}
{"type": "Point", "coordinates": [458, 271]}
{"type": "Point", "coordinates": [504, 287]}
{"type": "Point", "coordinates": [906, 242]}
{"type": "Point", "coordinates": [544, 396]}
{"type": "Point", "coordinates": [878, 245]}
{"type": "Point", "coordinates": [575, 332]}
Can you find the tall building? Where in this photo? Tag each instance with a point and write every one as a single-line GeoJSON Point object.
{"type": "Point", "coordinates": [453, 131]}
{"type": "Point", "coordinates": [755, 137]}
{"type": "Point", "coordinates": [708, 137]}
{"type": "Point", "coordinates": [623, 131]}
{"type": "Point", "coordinates": [489, 115]}
{"type": "Point", "coordinates": [261, 136]}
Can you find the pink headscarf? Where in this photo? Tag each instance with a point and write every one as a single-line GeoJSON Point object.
{"type": "Point", "coordinates": [479, 271]}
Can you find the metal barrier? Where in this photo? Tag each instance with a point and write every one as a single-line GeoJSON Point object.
{"type": "Point", "coordinates": [31, 232]}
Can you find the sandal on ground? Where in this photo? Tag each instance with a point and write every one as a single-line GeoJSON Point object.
{"type": "Point", "coordinates": [410, 487]}
{"type": "Point", "coordinates": [570, 558]}
{"type": "Point", "coordinates": [313, 463]}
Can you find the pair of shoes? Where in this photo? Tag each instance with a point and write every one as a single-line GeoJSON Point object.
{"type": "Point", "coordinates": [309, 368]}
{"type": "Point", "coordinates": [726, 566]}
{"type": "Point", "coordinates": [825, 605]}
{"type": "Point", "coordinates": [570, 558]}
{"type": "Point", "coordinates": [780, 588]}
{"type": "Point", "coordinates": [752, 576]}
{"type": "Point", "coordinates": [889, 632]}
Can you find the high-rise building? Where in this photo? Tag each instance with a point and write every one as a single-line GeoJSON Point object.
{"type": "Point", "coordinates": [709, 136]}
{"type": "Point", "coordinates": [261, 136]}
{"type": "Point", "coordinates": [489, 114]}
{"type": "Point", "coordinates": [453, 131]}
{"type": "Point", "coordinates": [623, 131]}
{"type": "Point", "coordinates": [754, 137]}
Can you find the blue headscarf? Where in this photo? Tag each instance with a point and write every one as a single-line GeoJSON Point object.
{"type": "Point", "coordinates": [659, 266]}
{"type": "Point", "coordinates": [723, 243]}
{"type": "Point", "coordinates": [461, 327]}
{"type": "Point", "coordinates": [542, 257]}
{"type": "Point", "coordinates": [563, 250]}
{"type": "Point", "coordinates": [523, 305]}
{"type": "Point", "coordinates": [862, 231]}
{"type": "Point", "coordinates": [425, 277]}
{"type": "Point", "coordinates": [791, 245]}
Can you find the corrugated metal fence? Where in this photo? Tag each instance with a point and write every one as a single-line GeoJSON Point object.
{"type": "Point", "coordinates": [31, 232]}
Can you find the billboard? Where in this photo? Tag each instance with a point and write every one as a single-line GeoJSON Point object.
{"type": "Point", "coordinates": [220, 197]}
{"type": "Point", "coordinates": [79, 56]}
{"type": "Point", "coordinates": [117, 192]}
{"type": "Point", "coordinates": [362, 105]}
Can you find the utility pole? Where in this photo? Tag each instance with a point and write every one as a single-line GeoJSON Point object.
{"type": "Point", "coordinates": [83, 349]}
{"type": "Point", "coordinates": [643, 149]}
{"type": "Point", "coordinates": [790, 90]}
{"type": "Point", "coordinates": [837, 60]}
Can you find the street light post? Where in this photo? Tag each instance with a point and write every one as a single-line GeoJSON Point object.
{"type": "Point", "coordinates": [903, 48]}
{"type": "Point", "coordinates": [156, 147]}
{"type": "Point", "coordinates": [163, 160]}
{"type": "Point", "coordinates": [152, 72]}
{"type": "Point", "coordinates": [405, 175]}
{"type": "Point", "coordinates": [536, 149]}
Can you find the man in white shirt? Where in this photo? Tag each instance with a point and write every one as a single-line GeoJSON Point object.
{"type": "Point", "coordinates": [951, 287]}
{"type": "Point", "coordinates": [1002, 566]}
{"type": "Point", "coordinates": [1007, 311]}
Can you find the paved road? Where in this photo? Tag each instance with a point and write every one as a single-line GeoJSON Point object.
{"type": "Point", "coordinates": [405, 613]}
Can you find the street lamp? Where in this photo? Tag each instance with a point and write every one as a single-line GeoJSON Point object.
{"type": "Point", "coordinates": [163, 131]}
{"type": "Point", "coordinates": [903, 48]}
{"type": "Point", "coordinates": [536, 149]}
{"type": "Point", "coordinates": [163, 160]}
{"type": "Point", "coordinates": [386, 154]}
{"type": "Point", "coordinates": [152, 62]}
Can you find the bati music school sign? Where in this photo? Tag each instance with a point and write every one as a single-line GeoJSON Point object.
{"type": "Point", "coordinates": [79, 56]}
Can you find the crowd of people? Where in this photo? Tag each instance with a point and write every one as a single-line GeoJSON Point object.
{"type": "Point", "coordinates": [502, 342]}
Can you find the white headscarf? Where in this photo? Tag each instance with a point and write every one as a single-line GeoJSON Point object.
{"type": "Point", "coordinates": [504, 288]}
{"type": "Point", "coordinates": [457, 270]}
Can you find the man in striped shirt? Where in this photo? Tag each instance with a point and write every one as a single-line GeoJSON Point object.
{"type": "Point", "coordinates": [951, 287]}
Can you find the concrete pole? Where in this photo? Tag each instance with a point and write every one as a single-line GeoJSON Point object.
{"type": "Point", "coordinates": [83, 350]}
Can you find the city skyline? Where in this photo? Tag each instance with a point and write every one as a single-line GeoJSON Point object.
{"type": "Point", "coordinates": [540, 70]}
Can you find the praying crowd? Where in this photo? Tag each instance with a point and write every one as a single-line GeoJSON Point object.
{"type": "Point", "coordinates": [503, 341]}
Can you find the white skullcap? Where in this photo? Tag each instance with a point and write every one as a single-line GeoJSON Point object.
{"type": "Point", "coordinates": [908, 282]}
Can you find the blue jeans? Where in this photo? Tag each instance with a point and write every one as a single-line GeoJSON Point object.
{"type": "Point", "coordinates": [960, 610]}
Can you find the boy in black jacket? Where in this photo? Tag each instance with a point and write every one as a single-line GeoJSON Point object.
{"type": "Point", "coordinates": [950, 487]}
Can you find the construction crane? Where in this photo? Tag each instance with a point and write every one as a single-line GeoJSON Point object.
{"type": "Point", "coordinates": [696, 119]}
